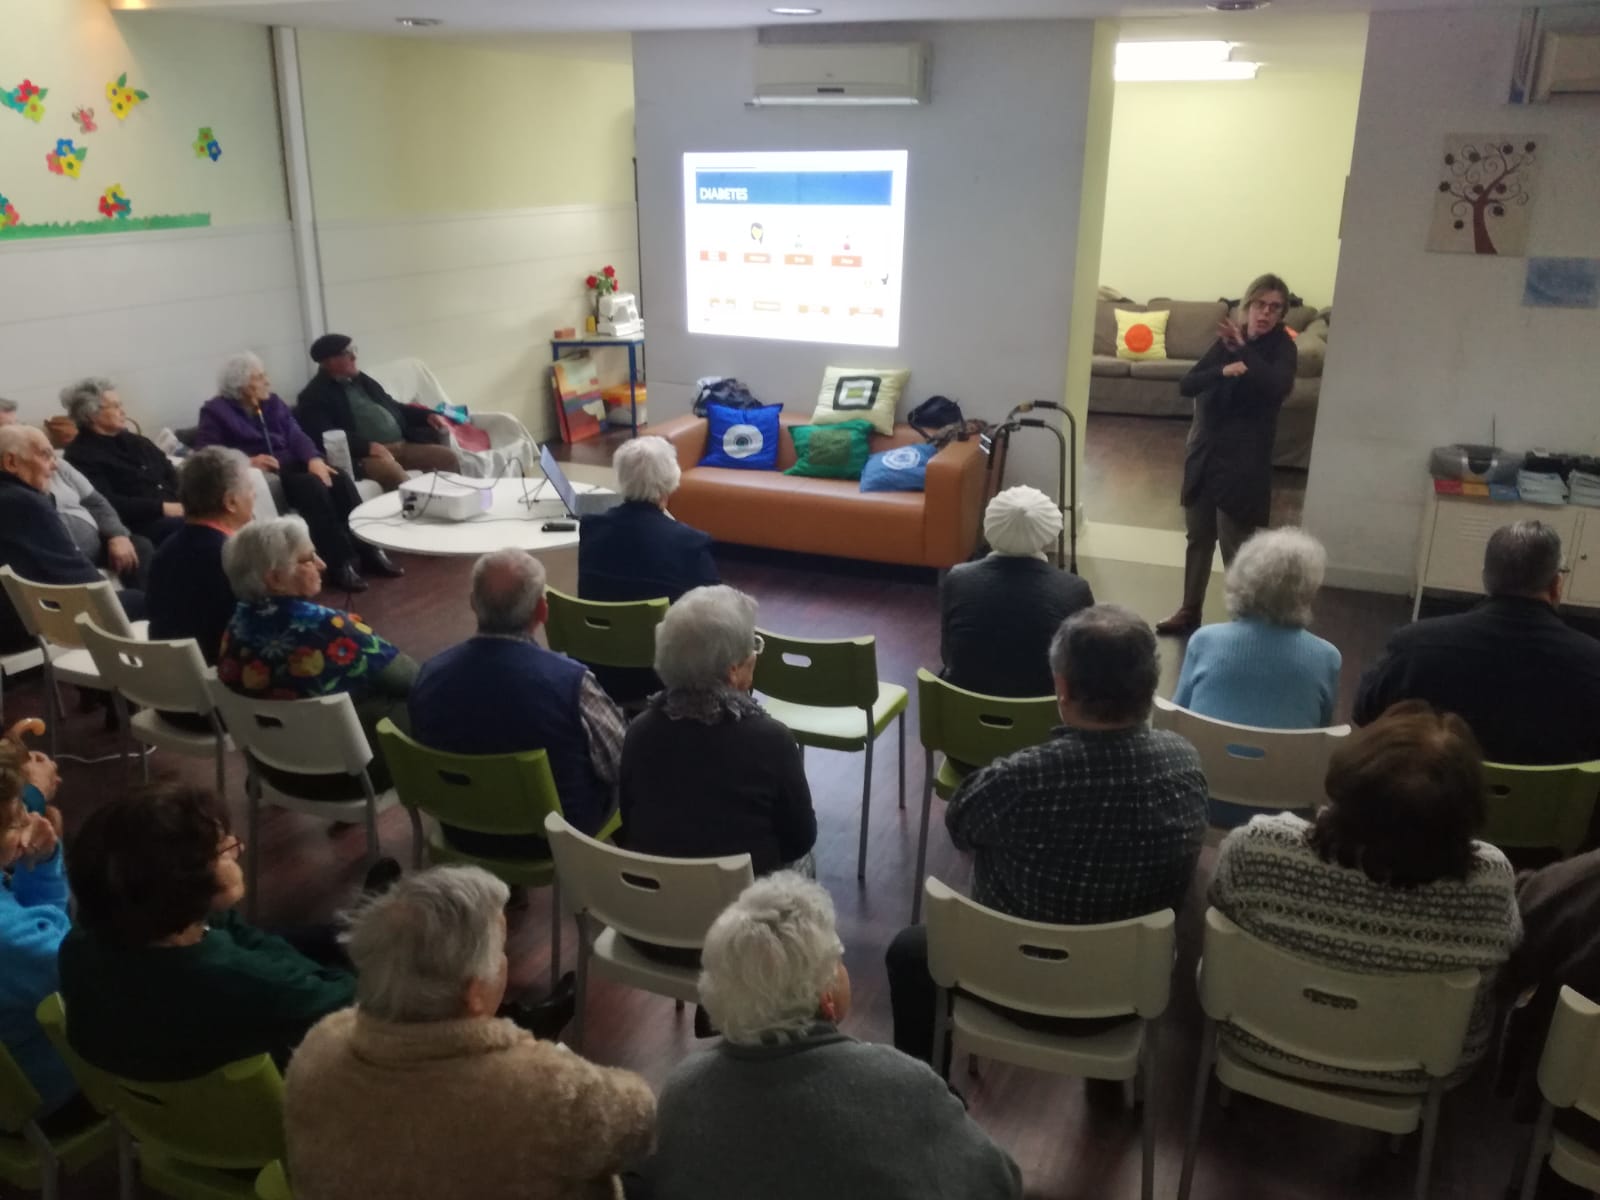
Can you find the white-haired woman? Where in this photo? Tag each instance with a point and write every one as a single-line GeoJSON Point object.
{"type": "Point", "coordinates": [997, 615]}
{"type": "Point", "coordinates": [506, 1115]}
{"type": "Point", "coordinates": [249, 417]}
{"type": "Point", "coordinates": [1264, 667]}
{"type": "Point", "coordinates": [705, 771]}
{"type": "Point", "coordinates": [189, 594]}
{"type": "Point", "coordinates": [636, 551]}
{"type": "Point", "coordinates": [851, 1118]}
{"type": "Point", "coordinates": [128, 469]}
{"type": "Point", "coordinates": [280, 645]}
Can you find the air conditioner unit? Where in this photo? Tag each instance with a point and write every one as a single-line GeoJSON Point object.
{"type": "Point", "coordinates": [823, 74]}
{"type": "Point", "coordinates": [1569, 65]}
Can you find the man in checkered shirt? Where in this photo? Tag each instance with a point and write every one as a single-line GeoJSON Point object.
{"type": "Point", "coordinates": [1101, 823]}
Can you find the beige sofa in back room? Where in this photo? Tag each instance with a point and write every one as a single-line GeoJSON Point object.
{"type": "Point", "coordinates": [1150, 388]}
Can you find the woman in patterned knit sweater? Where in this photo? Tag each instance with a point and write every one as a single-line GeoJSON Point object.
{"type": "Point", "coordinates": [1387, 879]}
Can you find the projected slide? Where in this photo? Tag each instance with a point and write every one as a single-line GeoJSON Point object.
{"type": "Point", "coordinates": [802, 247]}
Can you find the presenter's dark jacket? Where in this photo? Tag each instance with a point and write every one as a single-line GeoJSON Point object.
{"type": "Point", "coordinates": [1229, 460]}
{"type": "Point", "coordinates": [36, 545]}
{"type": "Point", "coordinates": [129, 470]}
{"type": "Point", "coordinates": [323, 405]}
{"type": "Point", "coordinates": [996, 619]}
{"type": "Point", "coordinates": [1526, 682]}
{"type": "Point", "coordinates": [636, 552]}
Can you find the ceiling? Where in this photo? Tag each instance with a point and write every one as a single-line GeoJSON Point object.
{"type": "Point", "coordinates": [471, 17]}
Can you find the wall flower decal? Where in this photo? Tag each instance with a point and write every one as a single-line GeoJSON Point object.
{"type": "Point", "coordinates": [115, 202]}
{"type": "Point", "coordinates": [66, 159]}
{"type": "Point", "coordinates": [123, 98]}
{"type": "Point", "coordinates": [27, 98]}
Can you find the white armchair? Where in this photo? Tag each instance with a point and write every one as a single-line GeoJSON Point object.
{"type": "Point", "coordinates": [409, 381]}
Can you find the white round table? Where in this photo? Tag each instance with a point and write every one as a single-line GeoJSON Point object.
{"type": "Point", "coordinates": [506, 523]}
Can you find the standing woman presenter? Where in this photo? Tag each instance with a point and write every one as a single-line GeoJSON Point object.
{"type": "Point", "coordinates": [1237, 388]}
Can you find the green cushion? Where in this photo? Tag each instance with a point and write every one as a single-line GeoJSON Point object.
{"type": "Point", "coordinates": [831, 451]}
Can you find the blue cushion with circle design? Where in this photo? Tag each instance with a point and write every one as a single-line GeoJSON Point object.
{"type": "Point", "coordinates": [902, 469]}
{"type": "Point", "coordinates": [746, 438]}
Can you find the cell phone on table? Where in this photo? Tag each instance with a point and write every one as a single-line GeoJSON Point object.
{"type": "Point", "coordinates": [558, 526]}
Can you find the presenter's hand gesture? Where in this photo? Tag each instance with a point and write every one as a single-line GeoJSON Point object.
{"type": "Point", "coordinates": [1234, 369]}
{"type": "Point", "coordinates": [1230, 333]}
{"type": "Point", "coordinates": [321, 470]}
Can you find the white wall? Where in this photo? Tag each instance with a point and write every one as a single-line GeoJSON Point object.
{"type": "Point", "coordinates": [1426, 348]}
{"type": "Point", "coordinates": [995, 167]}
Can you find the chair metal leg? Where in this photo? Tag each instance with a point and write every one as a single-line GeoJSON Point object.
{"type": "Point", "coordinates": [1430, 1135]}
{"type": "Point", "coordinates": [1197, 1109]}
{"type": "Point", "coordinates": [124, 736]}
{"type": "Point", "coordinates": [1147, 1123]}
{"type": "Point", "coordinates": [555, 933]}
{"type": "Point", "coordinates": [581, 991]}
{"type": "Point", "coordinates": [902, 760]}
{"type": "Point", "coordinates": [1538, 1150]}
{"type": "Point", "coordinates": [922, 838]}
{"type": "Point", "coordinates": [941, 1032]}
{"type": "Point", "coordinates": [53, 690]}
{"type": "Point", "coordinates": [222, 773]}
{"type": "Point", "coordinates": [374, 847]}
{"type": "Point", "coordinates": [127, 1183]}
{"type": "Point", "coordinates": [866, 804]}
{"type": "Point", "coordinates": [252, 790]}
{"type": "Point", "coordinates": [49, 1178]}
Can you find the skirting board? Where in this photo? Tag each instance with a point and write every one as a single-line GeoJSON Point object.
{"type": "Point", "coordinates": [1364, 579]}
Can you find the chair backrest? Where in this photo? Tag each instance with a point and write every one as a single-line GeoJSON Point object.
{"type": "Point", "coordinates": [486, 793]}
{"type": "Point", "coordinates": [165, 675]}
{"type": "Point", "coordinates": [50, 610]}
{"type": "Point", "coordinates": [319, 736]}
{"type": "Point", "coordinates": [975, 729]}
{"type": "Point", "coordinates": [611, 634]}
{"type": "Point", "coordinates": [668, 901]}
{"type": "Point", "coordinates": [229, 1119]}
{"type": "Point", "coordinates": [1081, 971]}
{"type": "Point", "coordinates": [1269, 769]}
{"type": "Point", "coordinates": [1339, 1018]}
{"type": "Point", "coordinates": [1569, 1068]}
{"type": "Point", "coordinates": [820, 672]}
{"type": "Point", "coordinates": [273, 1182]}
{"type": "Point", "coordinates": [1539, 806]}
{"type": "Point", "coordinates": [19, 1099]}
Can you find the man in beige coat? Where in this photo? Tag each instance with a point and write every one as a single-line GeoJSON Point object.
{"type": "Point", "coordinates": [421, 1092]}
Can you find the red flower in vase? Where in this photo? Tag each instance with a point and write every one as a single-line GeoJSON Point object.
{"type": "Point", "coordinates": [591, 282]}
{"type": "Point", "coordinates": [609, 272]}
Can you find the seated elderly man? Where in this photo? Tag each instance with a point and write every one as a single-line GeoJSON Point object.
{"type": "Point", "coordinates": [91, 521]}
{"type": "Point", "coordinates": [34, 541]}
{"type": "Point", "coordinates": [500, 692]}
{"type": "Point", "coordinates": [189, 593]}
{"type": "Point", "coordinates": [505, 1115]}
{"type": "Point", "coordinates": [789, 1108]}
{"type": "Point", "coordinates": [1525, 682]}
{"type": "Point", "coordinates": [997, 615]}
{"type": "Point", "coordinates": [127, 469]}
{"type": "Point", "coordinates": [386, 438]}
{"type": "Point", "coordinates": [1101, 823]}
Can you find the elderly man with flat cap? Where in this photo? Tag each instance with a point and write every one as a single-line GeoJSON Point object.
{"type": "Point", "coordinates": [997, 615]}
{"type": "Point", "coordinates": [387, 438]}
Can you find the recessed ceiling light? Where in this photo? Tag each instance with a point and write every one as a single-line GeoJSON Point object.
{"type": "Point", "coordinates": [419, 22]}
{"type": "Point", "coordinates": [1237, 5]}
{"type": "Point", "coordinates": [795, 12]}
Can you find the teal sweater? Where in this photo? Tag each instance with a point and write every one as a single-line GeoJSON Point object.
{"type": "Point", "coordinates": [175, 1012]}
{"type": "Point", "coordinates": [1254, 673]}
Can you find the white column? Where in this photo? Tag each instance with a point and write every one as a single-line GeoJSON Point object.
{"type": "Point", "coordinates": [297, 168]}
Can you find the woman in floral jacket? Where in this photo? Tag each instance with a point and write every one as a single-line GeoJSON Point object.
{"type": "Point", "coordinates": [281, 645]}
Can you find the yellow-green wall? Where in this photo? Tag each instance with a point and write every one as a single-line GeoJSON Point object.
{"type": "Point", "coordinates": [411, 127]}
{"type": "Point", "coordinates": [1211, 184]}
{"type": "Point", "coordinates": [197, 72]}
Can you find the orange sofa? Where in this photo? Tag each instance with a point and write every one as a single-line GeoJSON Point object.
{"type": "Point", "coordinates": [935, 528]}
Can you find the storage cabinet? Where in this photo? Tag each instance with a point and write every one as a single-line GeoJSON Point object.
{"type": "Point", "coordinates": [1455, 532]}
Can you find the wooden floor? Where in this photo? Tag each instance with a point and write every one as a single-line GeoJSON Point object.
{"type": "Point", "coordinates": [1073, 1142]}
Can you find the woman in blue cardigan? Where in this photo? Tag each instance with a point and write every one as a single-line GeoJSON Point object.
{"type": "Point", "coordinates": [1264, 667]}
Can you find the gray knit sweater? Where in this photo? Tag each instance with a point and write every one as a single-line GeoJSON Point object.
{"type": "Point", "coordinates": [819, 1114]}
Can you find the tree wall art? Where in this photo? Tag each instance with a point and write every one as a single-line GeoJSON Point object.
{"type": "Point", "coordinates": [1483, 194]}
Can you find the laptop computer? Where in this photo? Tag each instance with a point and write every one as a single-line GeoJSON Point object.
{"type": "Point", "coordinates": [566, 502]}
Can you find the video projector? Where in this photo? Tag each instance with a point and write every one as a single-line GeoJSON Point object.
{"type": "Point", "coordinates": [442, 498]}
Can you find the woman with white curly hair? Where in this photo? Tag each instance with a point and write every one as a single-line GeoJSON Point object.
{"type": "Point", "coordinates": [1264, 667]}
{"type": "Point", "coordinates": [855, 1119]}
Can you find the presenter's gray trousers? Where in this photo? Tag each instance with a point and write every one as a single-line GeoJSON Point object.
{"type": "Point", "coordinates": [1206, 525]}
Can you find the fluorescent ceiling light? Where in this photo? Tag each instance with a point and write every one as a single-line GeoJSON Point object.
{"type": "Point", "coordinates": [1152, 62]}
{"type": "Point", "coordinates": [796, 12]}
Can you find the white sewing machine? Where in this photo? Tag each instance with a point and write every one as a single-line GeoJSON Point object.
{"type": "Point", "coordinates": [618, 315]}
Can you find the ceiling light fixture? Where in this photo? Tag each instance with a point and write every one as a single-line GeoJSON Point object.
{"type": "Point", "coordinates": [795, 12]}
{"type": "Point", "coordinates": [1237, 5]}
{"type": "Point", "coordinates": [419, 22]}
{"type": "Point", "coordinates": [1179, 62]}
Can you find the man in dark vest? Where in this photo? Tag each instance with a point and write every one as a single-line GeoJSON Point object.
{"type": "Point", "coordinates": [502, 693]}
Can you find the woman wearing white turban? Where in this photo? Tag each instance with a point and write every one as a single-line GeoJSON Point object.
{"type": "Point", "coordinates": [997, 615]}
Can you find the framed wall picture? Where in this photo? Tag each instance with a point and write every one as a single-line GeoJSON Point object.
{"type": "Point", "coordinates": [1483, 194]}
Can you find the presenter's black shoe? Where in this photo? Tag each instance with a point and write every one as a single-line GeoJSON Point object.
{"type": "Point", "coordinates": [345, 578]}
{"type": "Point", "coordinates": [1184, 621]}
{"type": "Point", "coordinates": [375, 562]}
{"type": "Point", "coordinates": [546, 1018]}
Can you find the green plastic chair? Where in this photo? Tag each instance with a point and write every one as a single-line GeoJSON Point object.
{"type": "Point", "coordinates": [29, 1158]}
{"type": "Point", "coordinates": [273, 1182]}
{"type": "Point", "coordinates": [828, 693]}
{"type": "Point", "coordinates": [970, 730]}
{"type": "Point", "coordinates": [508, 794]}
{"type": "Point", "coordinates": [197, 1139]}
{"type": "Point", "coordinates": [600, 633]}
{"type": "Point", "coordinates": [1540, 807]}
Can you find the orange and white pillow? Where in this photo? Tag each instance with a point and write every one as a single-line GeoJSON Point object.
{"type": "Point", "coordinates": [1141, 335]}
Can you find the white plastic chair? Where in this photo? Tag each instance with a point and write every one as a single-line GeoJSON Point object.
{"type": "Point", "coordinates": [409, 381]}
{"type": "Point", "coordinates": [618, 894]}
{"type": "Point", "coordinates": [49, 612]}
{"type": "Point", "coordinates": [1119, 969]}
{"type": "Point", "coordinates": [159, 677]}
{"type": "Point", "coordinates": [319, 736]}
{"type": "Point", "coordinates": [1333, 1018]}
{"type": "Point", "coordinates": [1251, 770]}
{"type": "Point", "coordinates": [1569, 1077]}
{"type": "Point", "coordinates": [16, 663]}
